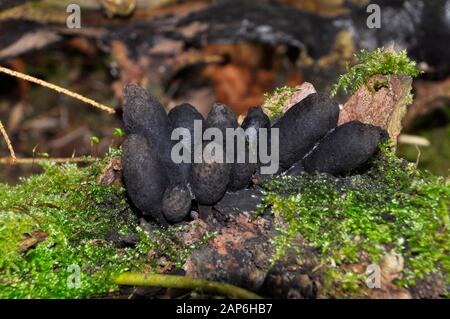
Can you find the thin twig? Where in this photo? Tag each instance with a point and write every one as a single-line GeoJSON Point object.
{"type": "Point", "coordinates": [30, 161]}
{"type": "Point", "coordinates": [182, 282]}
{"type": "Point", "coordinates": [8, 143]}
{"type": "Point", "coordinates": [57, 89]}
{"type": "Point", "coordinates": [26, 212]}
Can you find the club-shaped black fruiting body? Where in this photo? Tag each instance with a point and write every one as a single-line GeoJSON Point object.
{"type": "Point", "coordinates": [223, 118]}
{"type": "Point", "coordinates": [344, 149]}
{"type": "Point", "coordinates": [145, 116]}
{"type": "Point", "coordinates": [256, 120]}
{"type": "Point", "coordinates": [147, 165]}
{"type": "Point", "coordinates": [211, 176]}
{"type": "Point", "coordinates": [303, 125]}
{"type": "Point", "coordinates": [184, 116]}
{"type": "Point", "coordinates": [176, 202]}
{"type": "Point", "coordinates": [308, 141]}
{"type": "Point", "coordinates": [144, 175]}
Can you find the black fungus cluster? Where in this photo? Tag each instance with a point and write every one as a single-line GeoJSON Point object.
{"type": "Point", "coordinates": [309, 140]}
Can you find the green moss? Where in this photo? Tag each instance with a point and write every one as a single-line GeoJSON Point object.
{"type": "Point", "coordinates": [275, 101]}
{"type": "Point", "coordinates": [371, 63]}
{"type": "Point", "coordinates": [359, 218]}
{"type": "Point", "coordinates": [352, 219]}
{"type": "Point", "coordinates": [78, 216]}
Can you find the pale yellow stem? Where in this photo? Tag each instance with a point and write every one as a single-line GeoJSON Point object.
{"type": "Point", "coordinates": [57, 89]}
{"type": "Point", "coordinates": [182, 282]}
{"type": "Point", "coordinates": [8, 143]}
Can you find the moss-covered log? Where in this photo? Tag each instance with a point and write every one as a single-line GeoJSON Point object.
{"type": "Point", "coordinates": [322, 231]}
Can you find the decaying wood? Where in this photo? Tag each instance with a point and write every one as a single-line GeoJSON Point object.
{"type": "Point", "coordinates": [240, 254]}
{"type": "Point", "coordinates": [196, 24]}
{"type": "Point", "coordinates": [381, 105]}
{"type": "Point", "coordinates": [291, 97]}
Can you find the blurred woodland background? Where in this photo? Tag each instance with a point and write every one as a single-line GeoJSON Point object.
{"type": "Point", "coordinates": [202, 51]}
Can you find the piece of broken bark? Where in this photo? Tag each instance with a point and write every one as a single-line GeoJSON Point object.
{"type": "Point", "coordinates": [381, 102]}
{"type": "Point", "coordinates": [239, 253]}
{"type": "Point", "coordinates": [112, 173]}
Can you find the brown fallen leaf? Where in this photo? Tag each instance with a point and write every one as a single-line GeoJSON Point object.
{"type": "Point", "coordinates": [31, 240]}
{"type": "Point", "coordinates": [242, 81]}
{"type": "Point", "coordinates": [130, 71]}
{"type": "Point", "coordinates": [167, 47]}
{"type": "Point", "coordinates": [112, 173]}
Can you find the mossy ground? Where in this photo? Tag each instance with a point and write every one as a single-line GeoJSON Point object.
{"type": "Point", "coordinates": [360, 218]}
{"type": "Point", "coordinates": [77, 214]}
{"type": "Point", "coordinates": [387, 206]}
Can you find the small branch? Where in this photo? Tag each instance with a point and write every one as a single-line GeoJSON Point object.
{"type": "Point", "coordinates": [31, 161]}
{"type": "Point", "coordinates": [182, 282]}
{"type": "Point", "coordinates": [57, 89]}
{"type": "Point", "coordinates": [13, 158]}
